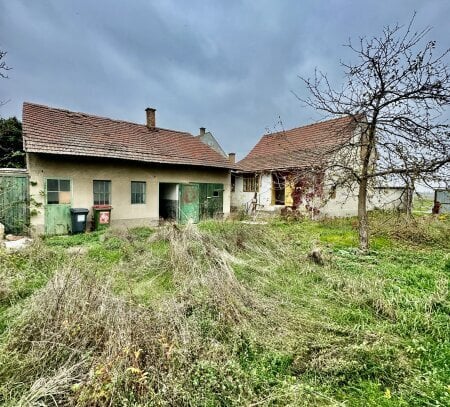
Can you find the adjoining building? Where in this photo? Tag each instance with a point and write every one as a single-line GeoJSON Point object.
{"type": "Point", "coordinates": [144, 172]}
{"type": "Point", "coordinates": [286, 170]}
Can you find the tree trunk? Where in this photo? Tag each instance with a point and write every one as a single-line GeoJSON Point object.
{"type": "Point", "coordinates": [363, 222]}
{"type": "Point", "coordinates": [409, 198]}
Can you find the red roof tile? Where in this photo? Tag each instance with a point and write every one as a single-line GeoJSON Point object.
{"type": "Point", "coordinates": [57, 131]}
{"type": "Point", "coordinates": [299, 147]}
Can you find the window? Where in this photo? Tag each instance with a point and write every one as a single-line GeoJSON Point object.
{"type": "Point", "coordinates": [138, 191]}
{"type": "Point", "coordinates": [102, 192]}
{"type": "Point", "coordinates": [233, 182]}
{"type": "Point", "coordinates": [58, 191]}
{"type": "Point", "coordinates": [251, 183]}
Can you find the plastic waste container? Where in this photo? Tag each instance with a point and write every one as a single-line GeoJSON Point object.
{"type": "Point", "coordinates": [101, 216]}
{"type": "Point", "coordinates": [78, 217]}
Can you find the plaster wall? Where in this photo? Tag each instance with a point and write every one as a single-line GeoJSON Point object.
{"type": "Point", "coordinates": [387, 198]}
{"type": "Point", "coordinates": [83, 171]}
{"type": "Point", "coordinates": [345, 204]}
{"type": "Point", "coordinates": [211, 141]}
{"type": "Point", "coordinates": [239, 198]}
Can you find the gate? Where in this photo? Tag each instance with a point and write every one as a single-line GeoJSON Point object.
{"type": "Point", "coordinates": [14, 201]}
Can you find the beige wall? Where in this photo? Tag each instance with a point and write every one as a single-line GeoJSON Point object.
{"type": "Point", "coordinates": [83, 171]}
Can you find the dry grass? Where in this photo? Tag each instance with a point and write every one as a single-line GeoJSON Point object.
{"type": "Point", "coordinates": [413, 229]}
{"type": "Point", "coordinates": [78, 343]}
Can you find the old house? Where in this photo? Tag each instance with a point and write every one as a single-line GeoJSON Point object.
{"type": "Point", "coordinates": [285, 170]}
{"type": "Point", "coordinates": [144, 172]}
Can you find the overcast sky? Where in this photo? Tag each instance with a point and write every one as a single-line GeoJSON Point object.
{"type": "Point", "coordinates": [230, 66]}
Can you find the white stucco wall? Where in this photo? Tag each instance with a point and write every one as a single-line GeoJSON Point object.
{"type": "Point", "coordinates": [387, 198]}
{"type": "Point", "coordinates": [343, 205]}
{"type": "Point", "coordinates": [239, 198]}
{"type": "Point", "coordinates": [82, 172]}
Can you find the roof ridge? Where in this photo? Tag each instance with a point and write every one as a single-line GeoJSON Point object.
{"type": "Point", "coordinates": [102, 117]}
{"type": "Point", "coordinates": [306, 125]}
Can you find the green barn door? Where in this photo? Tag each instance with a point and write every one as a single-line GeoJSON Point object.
{"type": "Point", "coordinates": [188, 203]}
{"type": "Point", "coordinates": [211, 200]}
{"type": "Point", "coordinates": [215, 192]}
{"type": "Point", "coordinates": [57, 209]}
{"type": "Point", "coordinates": [14, 203]}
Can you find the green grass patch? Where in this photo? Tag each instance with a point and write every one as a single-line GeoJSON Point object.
{"type": "Point", "coordinates": [226, 313]}
{"type": "Point", "coordinates": [81, 239]}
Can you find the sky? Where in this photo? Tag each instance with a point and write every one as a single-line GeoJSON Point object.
{"type": "Point", "coordinates": [230, 66]}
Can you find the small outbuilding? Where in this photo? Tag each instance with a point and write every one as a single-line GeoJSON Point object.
{"type": "Point", "coordinates": [441, 201]}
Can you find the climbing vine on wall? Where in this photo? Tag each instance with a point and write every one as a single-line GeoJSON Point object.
{"type": "Point", "coordinates": [308, 191]}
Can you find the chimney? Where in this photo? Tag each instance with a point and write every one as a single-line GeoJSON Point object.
{"type": "Point", "coordinates": [202, 131]}
{"type": "Point", "coordinates": [232, 158]}
{"type": "Point", "coordinates": [151, 117]}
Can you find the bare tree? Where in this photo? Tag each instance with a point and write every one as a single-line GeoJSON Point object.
{"type": "Point", "coordinates": [397, 94]}
{"type": "Point", "coordinates": [3, 70]}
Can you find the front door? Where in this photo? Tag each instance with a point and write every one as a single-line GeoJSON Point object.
{"type": "Point", "coordinates": [188, 202]}
{"type": "Point", "coordinates": [58, 197]}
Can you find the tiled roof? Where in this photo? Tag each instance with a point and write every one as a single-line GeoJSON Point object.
{"type": "Point", "coordinates": [57, 131]}
{"type": "Point", "coordinates": [299, 147]}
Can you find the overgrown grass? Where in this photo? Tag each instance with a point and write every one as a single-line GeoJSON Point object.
{"type": "Point", "coordinates": [226, 313]}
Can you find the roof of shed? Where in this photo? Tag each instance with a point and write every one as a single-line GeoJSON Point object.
{"type": "Point", "coordinates": [299, 147]}
{"type": "Point", "coordinates": [56, 131]}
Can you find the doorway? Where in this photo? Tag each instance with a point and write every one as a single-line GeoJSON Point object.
{"type": "Point", "coordinates": [168, 201]}
{"type": "Point", "coordinates": [279, 189]}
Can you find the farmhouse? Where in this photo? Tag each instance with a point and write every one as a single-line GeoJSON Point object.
{"type": "Point", "coordinates": [142, 172]}
{"type": "Point", "coordinates": [285, 170]}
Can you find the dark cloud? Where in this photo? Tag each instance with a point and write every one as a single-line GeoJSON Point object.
{"type": "Point", "coordinates": [229, 66]}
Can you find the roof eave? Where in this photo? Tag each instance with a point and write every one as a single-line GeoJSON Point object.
{"type": "Point", "coordinates": [163, 162]}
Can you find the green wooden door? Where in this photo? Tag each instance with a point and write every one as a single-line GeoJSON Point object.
{"type": "Point", "coordinates": [57, 208]}
{"type": "Point", "coordinates": [215, 194]}
{"type": "Point", "coordinates": [188, 203]}
{"type": "Point", "coordinates": [211, 200]}
{"type": "Point", "coordinates": [14, 200]}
